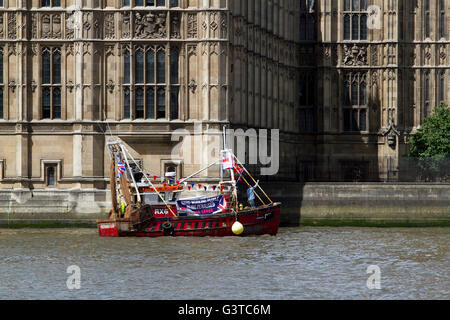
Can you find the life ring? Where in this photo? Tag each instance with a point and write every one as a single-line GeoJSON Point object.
{"type": "Point", "coordinates": [168, 228]}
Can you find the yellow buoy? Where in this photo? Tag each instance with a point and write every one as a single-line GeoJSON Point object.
{"type": "Point", "coordinates": [237, 228]}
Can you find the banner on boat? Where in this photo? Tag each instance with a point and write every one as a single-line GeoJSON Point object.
{"type": "Point", "coordinates": [203, 205]}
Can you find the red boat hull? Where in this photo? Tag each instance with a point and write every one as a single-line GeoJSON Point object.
{"type": "Point", "coordinates": [258, 221]}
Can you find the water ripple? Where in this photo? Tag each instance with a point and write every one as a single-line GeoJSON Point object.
{"type": "Point", "coordinates": [300, 263]}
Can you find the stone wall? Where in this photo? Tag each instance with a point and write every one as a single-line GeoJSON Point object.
{"type": "Point", "coordinates": [374, 204]}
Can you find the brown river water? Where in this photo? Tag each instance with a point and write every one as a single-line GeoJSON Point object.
{"type": "Point", "coordinates": [300, 263]}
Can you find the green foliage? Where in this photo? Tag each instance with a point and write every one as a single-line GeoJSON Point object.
{"type": "Point", "coordinates": [432, 140]}
{"type": "Point", "coordinates": [431, 144]}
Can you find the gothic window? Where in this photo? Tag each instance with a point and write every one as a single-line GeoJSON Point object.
{"type": "Point", "coordinates": [51, 83]}
{"type": "Point", "coordinates": [442, 87]}
{"type": "Point", "coordinates": [306, 102]}
{"type": "Point", "coordinates": [355, 102]}
{"type": "Point", "coordinates": [149, 3]}
{"type": "Point", "coordinates": [126, 103]}
{"type": "Point", "coordinates": [427, 19]}
{"type": "Point", "coordinates": [50, 3]}
{"type": "Point", "coordinates": [148, 93]}
{"type": "Point", "coordinates": [174, 83]}
{"type": "Point", "coordinates": [1, 86]}
{"type": "Point", "coordinates": [355, 20]}
{"type": "Point", "coordinates": [442, 19]}
{"type": "Point", "coordinates": [427, 95]}
{"type": "Point", "coordinates": [307, 21]}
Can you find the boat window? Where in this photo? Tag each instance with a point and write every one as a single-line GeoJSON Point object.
{"type": "Point", "coordinates": [173, 196]}
{"type": "Point", "coordinates": [150, 198]}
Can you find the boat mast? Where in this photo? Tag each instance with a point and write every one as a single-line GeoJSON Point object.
{"type": "Point", "coordinates": [228, 152]}
{"type": "Point", "coordinates": [131, 174]}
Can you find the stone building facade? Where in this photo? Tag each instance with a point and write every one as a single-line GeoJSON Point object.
{"type": "Point", "coordinates": [345, 81]}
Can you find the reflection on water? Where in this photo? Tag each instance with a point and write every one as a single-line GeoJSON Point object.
{"type": "Point", "coordinates": [300, 263]}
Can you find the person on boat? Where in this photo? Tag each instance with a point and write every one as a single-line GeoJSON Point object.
{"type": "Point", "coordinates": [251, 194]}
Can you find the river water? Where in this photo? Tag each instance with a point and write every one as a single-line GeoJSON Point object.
{"type": "Point", "coordinates": [300, 263]}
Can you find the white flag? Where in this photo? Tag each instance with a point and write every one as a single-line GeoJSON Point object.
{"type": "Point", "coordinates": [227, 160]}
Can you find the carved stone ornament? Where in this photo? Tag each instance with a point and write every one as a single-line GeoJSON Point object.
{"type": "Point", "coordinates": [70, 85]}
{"type": "Point", "coordinates": [192, 85]}
{"type": "Point", "coordinates": [12, 85]}
{"type": "Point", "coordinates": [192, 27]}
{"type": "Point", "coordinates": [33, 85]}
{"type": "Point", "coordinates": [110, 86]}
{"type": "Point", "coordinates": [109, 26]}
{"type": "Point", "coordinates": [354, 56]}
{"type": "Point", "coordinates": [391, 133]}
{"type": "Point", "coordinates": [1, 26]}
{"type": "Point", "coordinates": [150, 25]}
{"type": "Point", "coordinates": [12, 28]}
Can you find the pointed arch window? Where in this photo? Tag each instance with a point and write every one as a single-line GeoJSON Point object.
{"type": "Point", "coordinates": [427, 19]}
{"type": "Point", "coordinates": [347, 27]}
{"type": "Point", "coordinates": [174, 83]}
{"type": "Point", "coordinates": [150, 66]}
{"type": "Point", "coordinates": [2, 113]}
{"type": "Point", "coordinates": [161, 99]}
{"type": "Point", "coordinates": [427, 109]}
{"type": "Point", "coordinates": [51, 83]}
{"type": "Point", "coordinates": [355, 103]}
{"type": "Point", "coordinates": [139, 66]}
{"type": "Point", "coordinates": [161, 66]}
{"type": "Point", "coordinates": [50, 3]}
{"type": "Point", "coordinates": [442, 87]}
{"type": "Point", "coordinates": [442, 24]}
{"type": "Point", "coordinates": [149, 3]}
{"type": "Point", "coordinates": [151, 90]}
{"type": "Point", "coordinates": [355, 20]}
{"type": "Point", "coordinates": [307, 20]}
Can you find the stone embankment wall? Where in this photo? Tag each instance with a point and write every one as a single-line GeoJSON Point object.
{"type": "Point", "coordinates": [302, 204]}
{"type": "Point", "coordinates": [377, 204]}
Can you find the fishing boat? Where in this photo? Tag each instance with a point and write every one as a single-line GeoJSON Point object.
{"type": "Point", "coordinates": [142, 207]}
